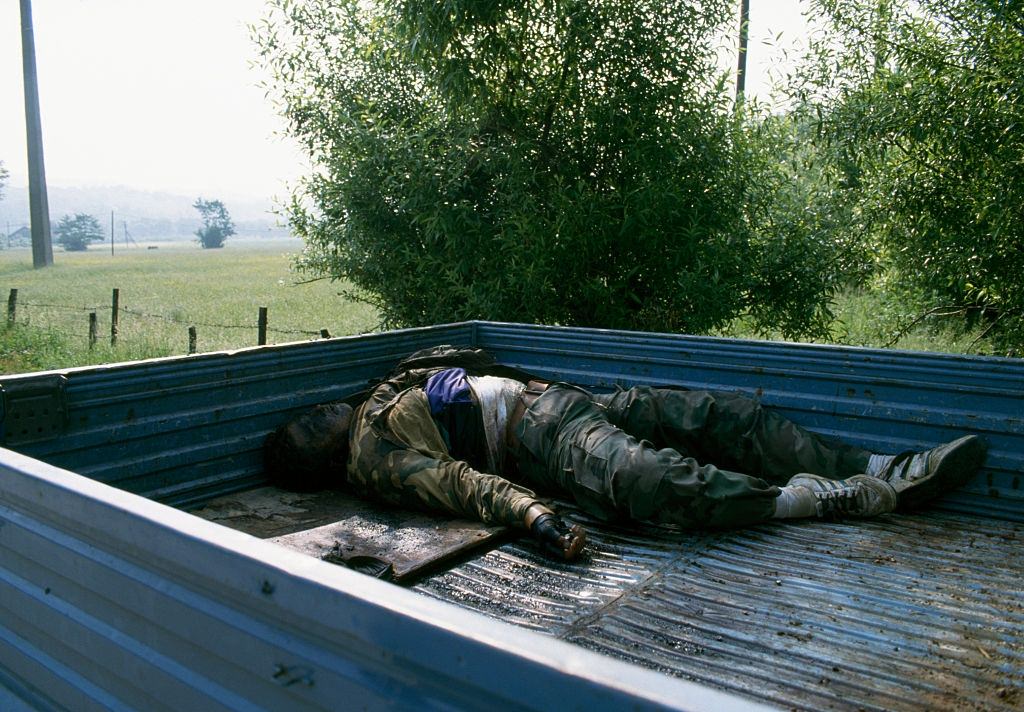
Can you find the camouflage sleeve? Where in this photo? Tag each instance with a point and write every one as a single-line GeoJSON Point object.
{"type": "Point", "coordinates": [403, 461]}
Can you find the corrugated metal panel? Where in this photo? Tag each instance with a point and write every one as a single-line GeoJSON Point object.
{"type": "Point", "coordinates": [900, 613]}
{"type": "Point", "coordinates": [183, 429]}
{"type": "Point", "coordinates": [177, 612]}
{"type": "Point", "coordinates": [112, 602]}
{"type": "Point", "coordinates": [887, 401]}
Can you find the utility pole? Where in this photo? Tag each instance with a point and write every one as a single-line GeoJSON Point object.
{"type": "Point", "coordinates": [111, 233]}
{"type": "Point", "coordinates": [883, 20]}
{"type": "Point", "coordinates": [128, 239]}
{"type": "Point", "coordinates": [741, 62]}
{"type": "Point", "coordinates": [39, 207]}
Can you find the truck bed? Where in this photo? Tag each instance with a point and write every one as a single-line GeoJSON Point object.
{"type": "Point", "coordinates": [896, 613]}
{"type": "Point", "coordinates": [901, 613]}
{"type": "Point", "coordinates": [921, 611]}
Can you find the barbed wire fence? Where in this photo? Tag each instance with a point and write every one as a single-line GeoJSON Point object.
{"type": "Point", "coordinates": [28, 313]}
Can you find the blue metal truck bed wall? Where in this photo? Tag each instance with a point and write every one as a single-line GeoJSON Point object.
{"type": "Point", "coordinates": [111, 599]}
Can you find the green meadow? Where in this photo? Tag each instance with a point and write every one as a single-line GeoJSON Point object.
{"type": "Point", "coordinates": [162, 292]}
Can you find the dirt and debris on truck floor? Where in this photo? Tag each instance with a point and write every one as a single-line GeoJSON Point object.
{"type": "Point", "coordinates": [899, 613]}
{"type": "Point", "coordinates": [895, 613]}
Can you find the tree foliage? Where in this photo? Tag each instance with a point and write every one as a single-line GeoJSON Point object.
{"type": "Point", "coordinates": [921, 107]}
{"type": "Point", "coordinates": [556, 161]}
{"type": "Point", "coordinates": [3, 179]}
{"type": "Point", "coordinates": [75, 232]}
{"type": "Point", "coordinates": [217, 225]}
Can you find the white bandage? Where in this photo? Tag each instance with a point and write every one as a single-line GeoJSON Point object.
{"type": "Point", "coordinates": [497, 398]}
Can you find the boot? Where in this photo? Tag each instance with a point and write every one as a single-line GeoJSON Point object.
{"type": "Point", "coordinates": [918, 477]}
{"type": "Point", "coordinates": [857, 496]}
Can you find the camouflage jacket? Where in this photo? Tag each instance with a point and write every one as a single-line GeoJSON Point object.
{"type": "Point", "coordinates": [397, 454]}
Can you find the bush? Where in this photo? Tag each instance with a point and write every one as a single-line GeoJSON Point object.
{"type": "Point", "coordinates": [217, 224]}
{"type": "Point", "coordinates": [924, 111]}
{"type": "Point", "coordinates": [554, 162]}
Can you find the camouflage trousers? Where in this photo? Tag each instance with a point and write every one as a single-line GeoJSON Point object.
{"type": "Point", "coordinates": [406, 463]}
{"type": "Point", "coordinates": [647, 454]}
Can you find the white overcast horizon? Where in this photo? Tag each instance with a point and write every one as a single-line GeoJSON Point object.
{"type": "Point", "coordinates": [164, 97]}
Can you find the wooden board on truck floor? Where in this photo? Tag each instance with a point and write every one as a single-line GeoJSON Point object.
{"type": "Point", "coordinates": [343, 529]}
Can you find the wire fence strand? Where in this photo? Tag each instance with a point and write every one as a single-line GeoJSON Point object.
{"type": "Point", "coordinates": [212, 325]}
{"type": "Point", "coordinates": [149, 315]}
{"type": "Point", "coordinates": [61, 306]}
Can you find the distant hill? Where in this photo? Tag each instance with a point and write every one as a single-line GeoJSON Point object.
{"type": "Point", "coordinates": [147, 214]}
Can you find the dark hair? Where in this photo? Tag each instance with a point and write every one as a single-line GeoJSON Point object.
{"type": "Point", "coordinates": [309, 452]}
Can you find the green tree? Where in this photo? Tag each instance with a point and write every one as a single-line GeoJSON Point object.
{"type": "Point", "coordinates": [217, 225]}
{"type": "Point", "coordinates": [556, 161]}
{"type": "Point", "coordinates": [75, 232]}
{"type": "Point", "coordinates": [921, 105]}
{"type": "Point", "coordinates": [3, 179]}
{"type": "Point", "coordinates": [799, 214]}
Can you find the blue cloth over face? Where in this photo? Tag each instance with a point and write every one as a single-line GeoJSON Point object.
{"type": "Point", "coordinates": [457, 415]}
{"type": "Point", "coordinates": [445, 388]}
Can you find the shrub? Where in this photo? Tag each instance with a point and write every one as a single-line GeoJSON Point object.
{"type": "Point", "coordinates": [572, 162]}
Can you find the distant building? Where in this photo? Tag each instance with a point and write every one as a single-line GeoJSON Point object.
{"type": "Point", "coordinates": [22, 237]}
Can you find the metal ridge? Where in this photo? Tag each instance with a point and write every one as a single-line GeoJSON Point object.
{"type": "Point", "coordinates": [804, 615]}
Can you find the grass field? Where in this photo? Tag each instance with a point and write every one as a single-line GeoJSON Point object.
{"type": "Point", "coordinates": [864, 318]}
{"type": "Point", "coordinates": [162, 292]}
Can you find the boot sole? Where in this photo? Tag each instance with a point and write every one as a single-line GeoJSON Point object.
{"type": "Point", "coordinates": [958, 465]}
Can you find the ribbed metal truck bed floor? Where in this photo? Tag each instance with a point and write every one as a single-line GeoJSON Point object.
{"type": "Point", "coordinates": [900, 613]}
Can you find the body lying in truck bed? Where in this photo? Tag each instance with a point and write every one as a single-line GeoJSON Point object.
{"type": "Point", "coordinates": [903, 612]}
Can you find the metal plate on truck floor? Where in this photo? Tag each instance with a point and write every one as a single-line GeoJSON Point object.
{"type": "Point", "coordinates": [340, 528]}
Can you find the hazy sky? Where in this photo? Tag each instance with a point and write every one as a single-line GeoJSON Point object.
{"type": "Point", "coordinates": [160, 94]}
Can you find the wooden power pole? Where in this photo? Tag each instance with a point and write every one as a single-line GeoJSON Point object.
{"type": "Point", "coordinates": [39, 207]}
{"type": "Point", "coordinates": [741, 62]}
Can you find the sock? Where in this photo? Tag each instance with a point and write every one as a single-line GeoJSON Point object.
{"type": "Point", "coordinates": [795, 501]}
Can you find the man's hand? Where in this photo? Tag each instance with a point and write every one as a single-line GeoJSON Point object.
{"type": "Point", "coordinates": [556, 538]}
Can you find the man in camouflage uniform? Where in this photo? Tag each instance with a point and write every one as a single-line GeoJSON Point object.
{"type": "Point", "coordinates": [638, 454]}
{"type": "Point", "coordinates": [398, 455]}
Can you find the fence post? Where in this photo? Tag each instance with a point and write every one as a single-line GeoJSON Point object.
{"type": "Point", "coordinates": [92, 330]}
{"type": "Point", "coordinates": [192, 339]}
{"type": "Point", "coordinates": [325, 334]}
{"type": "Point", "coordinates": [12, 307]}
{"type": "Point", "coordinates": [262, 340]}
{"type": "Point", "coordinates": [115, 301]}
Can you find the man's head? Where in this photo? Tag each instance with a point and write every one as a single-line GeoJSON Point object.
{"type": "Point", "coordinates": [309, 452]}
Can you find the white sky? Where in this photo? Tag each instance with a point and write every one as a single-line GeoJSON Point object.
{"type": "Point", "coordinates": [160, 95]}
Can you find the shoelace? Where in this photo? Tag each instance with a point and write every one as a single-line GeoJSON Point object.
{"type": "Point", "coordinates": [837, 499]}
